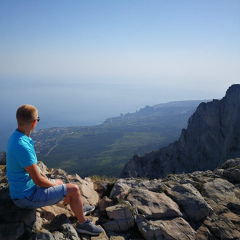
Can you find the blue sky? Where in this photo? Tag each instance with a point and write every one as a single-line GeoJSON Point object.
{"type": "Point", "coordinates": [192, 46]}
{"type": "Point", "coordinates": [82, 61]}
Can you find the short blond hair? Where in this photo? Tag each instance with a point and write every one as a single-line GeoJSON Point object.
{"type": "Point", "coordinates": [25, 114]}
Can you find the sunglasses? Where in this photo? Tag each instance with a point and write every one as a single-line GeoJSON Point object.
{"type": "Point", "coordinates": [38, 119]}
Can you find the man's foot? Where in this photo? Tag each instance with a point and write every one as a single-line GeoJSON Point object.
{"type": "Point", "coordinates": [88, 228]}
{"type": "Point", "coordinates": [88, 209]}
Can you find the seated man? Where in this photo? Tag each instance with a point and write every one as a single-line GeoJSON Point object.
{"type": "Point", "coordinates": [29, 187]}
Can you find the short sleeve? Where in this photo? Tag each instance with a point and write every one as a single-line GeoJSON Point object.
{"type": "Point", "coordinates": [26, 155]}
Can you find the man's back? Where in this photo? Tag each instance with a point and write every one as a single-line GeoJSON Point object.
{"type": "Point", "coordinates": [20, 154]}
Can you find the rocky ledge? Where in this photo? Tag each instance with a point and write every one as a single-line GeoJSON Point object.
{"type": "Point", "coordinates": [199, 205]}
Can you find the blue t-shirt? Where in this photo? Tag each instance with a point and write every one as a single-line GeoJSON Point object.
{"type": "Point", "coordinates": [20, 154]}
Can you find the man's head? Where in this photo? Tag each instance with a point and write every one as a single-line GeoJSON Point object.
{"type": "Point", "coordinates": [26, 114]}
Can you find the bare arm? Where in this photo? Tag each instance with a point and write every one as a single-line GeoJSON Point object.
{"type": "Point", "coordinates": [38, 177]}
{"type": "Point", "coordinates": [43, 174]}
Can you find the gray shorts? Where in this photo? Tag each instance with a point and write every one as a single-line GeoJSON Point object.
{"type": "Point", "coordinates": [43, 197]}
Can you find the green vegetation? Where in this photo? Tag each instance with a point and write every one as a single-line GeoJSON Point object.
{"type": "Point", "coordinates": [104, 149]}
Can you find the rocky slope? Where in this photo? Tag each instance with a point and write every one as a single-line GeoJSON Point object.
{"type": "Point", "coordinates": [199, 205]}
{"type": "Point", "coordinates": [212, 137]}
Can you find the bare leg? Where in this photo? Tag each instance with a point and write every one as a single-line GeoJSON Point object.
{"type": "Point", "coordinates": [74, 199]}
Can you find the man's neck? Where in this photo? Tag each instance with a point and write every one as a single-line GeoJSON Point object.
{"type": "Point", "coordinates": [27, 132]}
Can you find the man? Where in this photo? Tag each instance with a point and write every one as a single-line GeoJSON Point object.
{"type": "Point", "coordinates": [29, 187]}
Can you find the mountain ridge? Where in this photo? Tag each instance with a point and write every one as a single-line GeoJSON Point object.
{"type": "Point", "coordinates": [212, 137]}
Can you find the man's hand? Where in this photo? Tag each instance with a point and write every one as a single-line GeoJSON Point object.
{"type": "Point", "coordinates": [58, 181]}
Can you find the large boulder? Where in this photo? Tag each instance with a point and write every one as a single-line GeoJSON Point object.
{"type": "Point", "coordinates": [190, 200]}
{"type": "Point", "coordinates": [153, 205]}
{"type": "Point", "coordinates": [174, 229]}
{"type": "Point", "coordinates": [121, 218]}
{"type": "Point", "coordinates": [222, 192]}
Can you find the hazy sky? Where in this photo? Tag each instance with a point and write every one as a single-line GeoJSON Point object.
{"type": "Point", "coordinates": [191, 46]}
{"type": "Point", "coordinates": [82, 61]}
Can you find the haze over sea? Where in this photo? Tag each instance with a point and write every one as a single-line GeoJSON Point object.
{"type": "Point", "coordinates": [80, 62]}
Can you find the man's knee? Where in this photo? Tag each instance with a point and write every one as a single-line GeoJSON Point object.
{"type": "Point", "coordinates": [72, 190]}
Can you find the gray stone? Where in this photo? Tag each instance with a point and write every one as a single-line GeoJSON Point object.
{"type": "Point", "coordinates": [58, 221]}
{"type": "Point", "coordinates": [69, 232]}
{"type": "Point", "coordinates": [5, 197]}
{"type": "Point", "coordinates": [203, 233]}
{"type": "Point", "coordinates": [175, 229]}
{"type": "Point", "coordinates": [190, 200]}
{"type": "Point", "coordinates": [120, 189]}
{"type": "Point", "coordinates": [123, 217]}
{"type": "Point", "coordinates": [230, 163]}
{"type": "Point", "coordinates": [153, 205]}
{"type": "Point", "coordinates": [3, 158]}
{"type": "Point", "coordinates": [58, 236]}
{"type": "Point", "coordinates": [222, 228]}
{"type": "Point", "coordinates": [45, 235]}
{"type": "Point", "coordinates": [221, 191]}
{"type": "Point", "coordinates": [104, 203]}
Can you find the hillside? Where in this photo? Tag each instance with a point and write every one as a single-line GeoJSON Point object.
{"type": "Point", "coordinates": [212, 137]}
{"type": "Point", "coordinates": [104, 149]}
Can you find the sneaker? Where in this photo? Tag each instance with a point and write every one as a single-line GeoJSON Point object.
{"type": "Point", "coordinates": [88, 228]}
{"type": "Point", "coordinates": [88, 209]}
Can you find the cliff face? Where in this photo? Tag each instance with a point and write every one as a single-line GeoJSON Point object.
{"type": "Point", "coordinates": [212, 137]}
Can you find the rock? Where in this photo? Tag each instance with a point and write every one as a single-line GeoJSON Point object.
{"type": "Point", "coordinates": [123, 218]}
{"type": "Point", "coordinates": [45, 235]}
{"type": "Point", "coordinates": [153, 205]}
{"type": "Point", "coordinates": [120, 189]}
{"type": "Point", "coordinates": [59, 174]}
{"type": "Point", "coordinates": [69, 232]}
{"type": "Point", "coordinates": [221, 191]}
{"type": "Point", "coordinates": [49, 212]}
{"type": "Point", "coordinates": [5, 197]}
{"type": "Point", "coordinates": [175, 229]}
{"type": "Point", "coordinates": [190, 200]}
{"type": "Point", "coordinates": [115, 236]}
{"type": "Point", "coordinates": [9, 214]}
{"type": "Point", "coordinates": [103, 188]}
{"type": "Point", "coordinates": [43, 167]}
{"type": "Point", "coordinates": [3, 158]}
{"type": "Point", "coordinates": [122, 186]}
{"type": "Point", "coordinates": [102, 236]}
{"type": "Point", "coordinates": [234, 218]}
{"type": "Point", "coordinates": [11, 231]}
{"type": "Point", "coordinates": [231, 163]}
{"type": "Point", "coordinates": [222, 228]}
{"type": "Point", "coordinates": [203, 233]}
{"type": "Point", "coordinates": [58, 221]}
{"type": "Point", "coordinates": [104, 203]}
